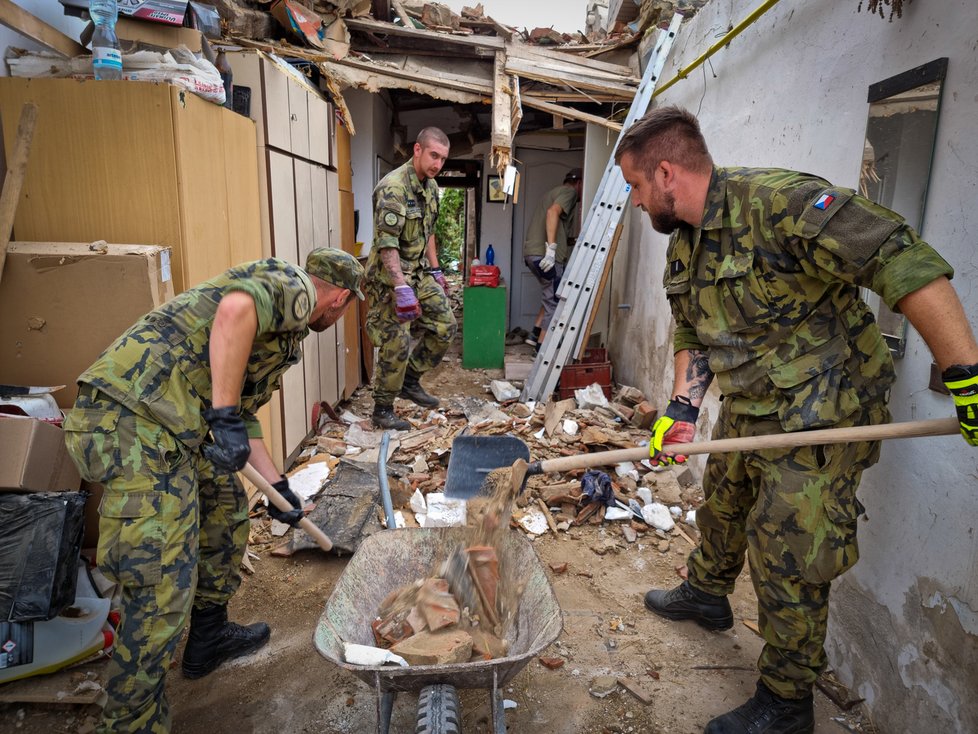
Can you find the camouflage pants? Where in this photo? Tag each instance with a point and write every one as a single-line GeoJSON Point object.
{"type": "Point", "coordinates": [172, 533]}
{"type": "Point", "coordinates": [437, 322]}
{"type": "Point", "coordinates": [793, 512]}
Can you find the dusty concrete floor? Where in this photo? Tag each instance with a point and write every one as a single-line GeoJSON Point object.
{"type": "Point", "coordinates": [289, 687]}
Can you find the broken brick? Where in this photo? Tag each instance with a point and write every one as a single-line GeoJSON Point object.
{"type": "Point", "coordinates": [645, 415]}
{"type": "Point", "coordinates": [437, 605]}
{"type": "Point", "coordinates": [436, 648]}
{"type": "Point", "coordinates": [551, 663]}
{"type": "Point", "coordinates": [558, 567]}
{"type": "Point", "coordinates": [486, 646]}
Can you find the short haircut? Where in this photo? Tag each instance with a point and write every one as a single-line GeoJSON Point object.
{"type": "Point", "coordinates": [432, 135]}
{"type": "Point", "coordinates": [666, 133]}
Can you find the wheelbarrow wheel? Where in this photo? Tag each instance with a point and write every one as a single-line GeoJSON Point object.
{"type": "Point", "coordinates": [438, 710]}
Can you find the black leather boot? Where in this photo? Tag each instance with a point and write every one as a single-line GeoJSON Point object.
{"type": "Point", "coordinates": [413, 391]}
{"type": "Point", "coordinates": [213, 640]}
{"type": "Point", "coordinates": [385, 417]}
{"type": "Point", "coordinates": [685, 602]}
{"type": "Point", "coordinates": [767, 713]}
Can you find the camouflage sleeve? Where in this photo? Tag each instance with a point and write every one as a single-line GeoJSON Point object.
{"type": "Point", "coordinates": [676, 283]}
{"type": "Point", "coordinates": [282, 299]}
{"type": "Point", "coordinates": [252, 425]}
{"type": "Point", "coordinates": [843, 236]}
{"type": "Point", "coordinates": [389, 213]}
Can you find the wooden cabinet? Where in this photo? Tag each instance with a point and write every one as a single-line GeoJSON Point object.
{"type": "Point", "coordinates": [300, 211]}
{"type": "Point", "coordinates": [139, 163]}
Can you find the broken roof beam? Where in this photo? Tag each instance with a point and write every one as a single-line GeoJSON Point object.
{"type": "Point", "coordinates": [481, 45]}
{"type": "Point", "coordinates": [571, 114]}
{"type": "Point", "coordinates": [567, 77]}
{"type": "Point", "coordinates": [477, 90]}
{"type": "Point", "coordinates": [505, 107]}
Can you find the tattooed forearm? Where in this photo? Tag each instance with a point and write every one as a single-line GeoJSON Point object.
{"type": "Point", "coordinates": [392, 264]}
{"type": "Point", "coordinates": [698, 375]}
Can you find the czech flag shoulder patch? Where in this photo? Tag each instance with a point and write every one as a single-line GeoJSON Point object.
{"type": "Point", "coordinates": [823, 201]}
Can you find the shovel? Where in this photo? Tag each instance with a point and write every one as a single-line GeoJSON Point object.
{"type": "Point", "coordinates": [478, 455]}
{"type": "Point", "coordinates": [263, 486]}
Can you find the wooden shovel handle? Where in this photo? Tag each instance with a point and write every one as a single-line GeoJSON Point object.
{"type": "Point", "coordinates": [252, 475]}
{"type": "Point", "coordinates": [909, 429]}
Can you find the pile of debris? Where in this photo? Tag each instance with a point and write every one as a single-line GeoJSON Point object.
{"type": "Point", "coordinates": [633, 500]}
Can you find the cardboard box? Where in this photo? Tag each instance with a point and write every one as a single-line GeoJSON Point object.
{"type": "Point", "coordinates": [171, 12]}
{"type": "Point", "coordinates": [138, 35]}
{"type": "Point", "coordinates": [33, 457]}
{"type": "Point", "coordinates": [62, 304]}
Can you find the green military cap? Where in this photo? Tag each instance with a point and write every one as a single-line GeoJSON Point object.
{"type": "Point", "coordinates": [336, 267]}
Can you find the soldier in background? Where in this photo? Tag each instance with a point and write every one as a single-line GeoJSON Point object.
{"type": "Point", "coordinates": [174, 519]}
{"type": "Point", "coordinates": [763, 274]}
{"type": "Point", "coordinates": [546, 245]}
{"type": "Point", "coordinates": [405, 284]}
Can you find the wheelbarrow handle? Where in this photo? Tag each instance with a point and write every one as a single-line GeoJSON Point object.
{"type": "Point", "coordinates": [263, 485]}
{"type": "Point", "coordinates": [909, 429]}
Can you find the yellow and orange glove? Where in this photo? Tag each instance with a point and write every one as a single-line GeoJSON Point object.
{"type": "Point", "coordinates": [962, 381]}
{"type": "Point", "coordinates": [676, 425]}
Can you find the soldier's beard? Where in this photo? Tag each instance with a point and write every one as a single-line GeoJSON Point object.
{"type": "Point", "coordinates": [329, 318]}
{"type": "Point", "coordinates": [665, 220]}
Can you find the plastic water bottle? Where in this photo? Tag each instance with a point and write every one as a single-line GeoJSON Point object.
{"type": "Point", "coordinates": [490, 256]}
{"type": "Point", "coordinates": [106, 55]}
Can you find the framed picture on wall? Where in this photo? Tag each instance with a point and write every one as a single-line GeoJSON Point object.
{"type": "Point", "coordinates": [494, 190]}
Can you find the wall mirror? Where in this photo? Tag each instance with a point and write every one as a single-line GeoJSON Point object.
{"type": "Point", "coordinates": [899, 147]}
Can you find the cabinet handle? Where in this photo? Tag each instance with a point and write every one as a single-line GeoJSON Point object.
{"type": "Point", "coordinates": [294, 117]}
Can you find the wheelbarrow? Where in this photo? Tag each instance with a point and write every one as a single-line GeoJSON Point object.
{"type": "Point", "coordinates": [388, 560]}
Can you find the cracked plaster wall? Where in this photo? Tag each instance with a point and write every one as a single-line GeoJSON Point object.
{"type": "Point", "coordinates": [791, 92]}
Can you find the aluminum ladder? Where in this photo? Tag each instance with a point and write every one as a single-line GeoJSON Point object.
{"type": "Point", "coordinates": [588, 258]}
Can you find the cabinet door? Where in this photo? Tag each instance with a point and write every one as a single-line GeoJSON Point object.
{"type": "Point", "coordinates": [246, 71]}
{"type": "Point", "coordinates": [299, 119]}
{"type": "Point", "coordinates": [333, 195]}
{"type": "Point", "coordinates": [283, 215]}
{"type": "Point", "coordinates": [278, 126]}
{"type": "Point", "coordinates": [304, 227]}
{"type": "Point", "coordinates": [319, 130]}
{"type": "Point", "coordinates": [328, 374]}
{"type": "Point", "coordinates": [320, 207]}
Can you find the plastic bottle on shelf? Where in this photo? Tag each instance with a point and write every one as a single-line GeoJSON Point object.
{"type": "Point", "coordinates": [106, 55]}
{"type": "Point", "coordinates": [490, 256]}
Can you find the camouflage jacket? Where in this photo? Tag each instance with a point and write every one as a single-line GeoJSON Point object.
{"type": "Point", "coordinates": [769, 286]}
{"type": "Point", "coordinates": [534, 244]}
{"type": "Point", "coordinates": [405, 211]}
{"type": "Point", "coordinates": [160, 368]}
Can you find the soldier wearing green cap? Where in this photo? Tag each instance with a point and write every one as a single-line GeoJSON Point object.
{"type": "Point", "coordinates": [405, 285]}
{"type": "Point", "coordinates": [763, 273]}
{"type": "Point", "coordinates": [163, 419]}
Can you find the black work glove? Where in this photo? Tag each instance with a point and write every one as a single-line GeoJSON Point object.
{"type": "Point", "coordinates": [292, 517]}
{"type": "Point", "coordinates": [230, 449]}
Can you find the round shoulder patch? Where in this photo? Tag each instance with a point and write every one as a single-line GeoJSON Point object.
{"type": "Point", "coordinates": [390, 219]}
{"type": "Point", "coordinates": [300, 306]}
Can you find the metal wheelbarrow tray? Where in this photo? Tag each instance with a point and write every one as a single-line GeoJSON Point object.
{"type": "Point", "coordinates": [386, 561]}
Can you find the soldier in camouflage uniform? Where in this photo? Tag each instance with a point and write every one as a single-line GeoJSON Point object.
{"type": "Point", "coordinates": [405, 284]}
{"type": "Point", "coordinates": [763, 275]}
{"type": "Point", "coordinates": [162, 420]}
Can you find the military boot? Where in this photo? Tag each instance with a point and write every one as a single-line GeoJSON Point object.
{"type": "Point", "coordinates": [213, 639]}
{"type": "Point", "coordinates": [413, 391]}
{"type": "Point", "coordinates": [385, 417]}
{"type": "Point", "coordinates": [767, 713]}
{"type": "Point", "coordinates": [685, 602]}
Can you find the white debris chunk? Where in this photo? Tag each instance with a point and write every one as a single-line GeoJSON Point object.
{"type": "Point", "coordinates": [657, 515]}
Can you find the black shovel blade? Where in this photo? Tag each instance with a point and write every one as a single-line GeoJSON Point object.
{"type": "Point", "coordinates": [473, 457]}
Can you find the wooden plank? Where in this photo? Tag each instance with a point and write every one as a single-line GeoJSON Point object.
{"type": "Point", "coordinates": [13, 181]}
{"type": "Point", "coordinates": [502, 114]}
{"type": "Point", "coordinates": [570, 113]}
{"type": "Point", "coordinates": [483, 89]}
{"type": "Point", "coordinates": [617, 72]}
{"type": "Point", "coordinates": [19, 20]}
{"type": "Point", "coordinates": [80, 685]}
{"type": "Point", "coordinates": [554, 74]}
{"type": "Point", "coordinates": [484, 45]}
{"type": "Point", "coordinates": [599, 292]}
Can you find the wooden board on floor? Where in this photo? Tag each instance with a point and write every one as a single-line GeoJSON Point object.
{"type": "Point", "coordinates": [83, 684]}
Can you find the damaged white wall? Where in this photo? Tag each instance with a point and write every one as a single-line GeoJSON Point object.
{"type": "Point", "coordinates": [371, 153]}
{"type": "Point", "coordinates": [791, 92]}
